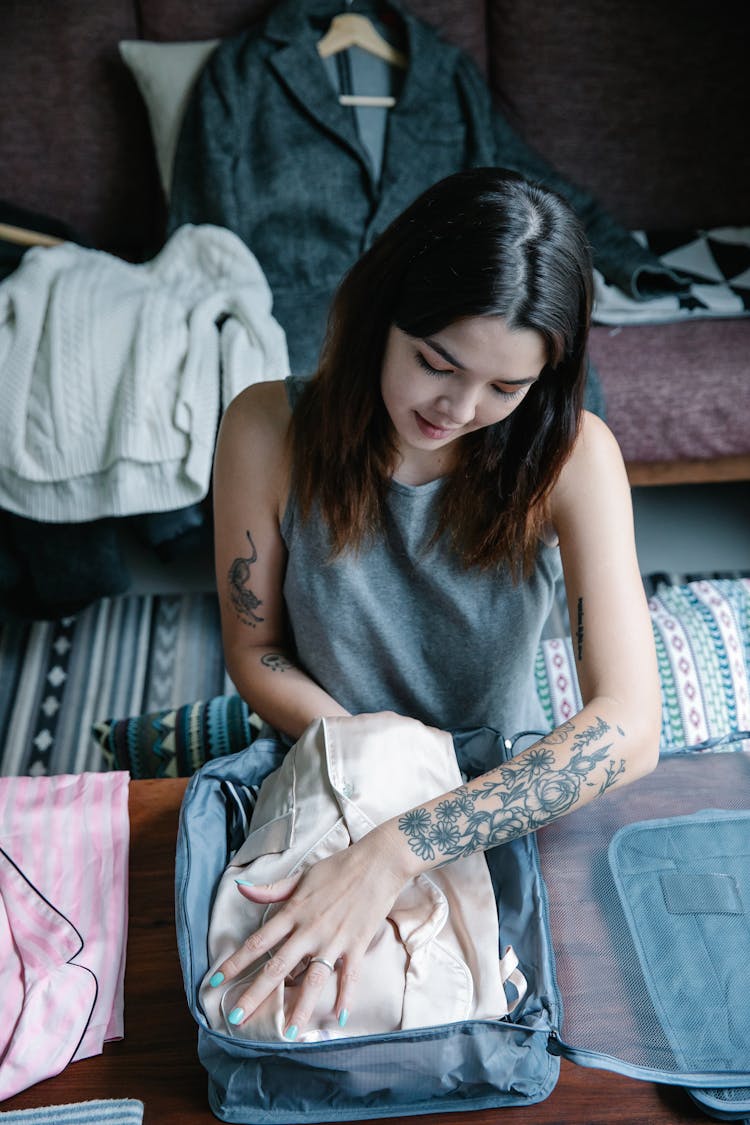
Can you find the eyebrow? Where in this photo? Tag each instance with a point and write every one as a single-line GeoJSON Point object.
{"type": "Point", "coordinates": [455, 363]}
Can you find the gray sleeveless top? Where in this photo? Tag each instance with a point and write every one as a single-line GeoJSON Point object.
{"type": "Point", "coordinates": [402, 627]}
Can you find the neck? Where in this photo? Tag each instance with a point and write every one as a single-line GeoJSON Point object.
{"type": "Point", "coordinates": [420, 467]}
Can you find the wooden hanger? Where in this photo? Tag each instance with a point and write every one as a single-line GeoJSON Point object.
{"type": "Point", "coordinates": [349, 29]}
{"type": "Point", "coordinates": [23, 237]}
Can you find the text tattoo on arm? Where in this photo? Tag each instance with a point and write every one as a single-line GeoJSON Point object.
{"type": "Point", "coordinates": [518, 799]}
{"type": "Point", "coordinates": [579, 630]}
{"type": "Point", "coordinates": [243, 599]}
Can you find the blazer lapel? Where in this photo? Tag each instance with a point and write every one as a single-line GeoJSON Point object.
{"type": "Point", "coordinates": [301, 70]}
{"type": "Point", "coordinates": [423, 112]}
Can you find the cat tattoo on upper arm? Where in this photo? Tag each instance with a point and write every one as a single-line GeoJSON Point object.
{"type": "Point", "coordinates": [244, 600]}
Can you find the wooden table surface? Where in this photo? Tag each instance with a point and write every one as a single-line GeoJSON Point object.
{"type": "Point", "coordinates": [157, 1063]}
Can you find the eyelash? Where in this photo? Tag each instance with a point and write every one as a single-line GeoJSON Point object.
{"type": "Point", "coordinates": [437, 372]}
{"type": "Point", "coordinates": [428, 367]}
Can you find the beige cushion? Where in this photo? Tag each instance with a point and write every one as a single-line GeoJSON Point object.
{"type": "Point", "coordinates": [165, 74]}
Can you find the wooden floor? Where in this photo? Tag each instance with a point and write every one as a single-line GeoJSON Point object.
{"type": "Point", "coordinates": [156, 1062]}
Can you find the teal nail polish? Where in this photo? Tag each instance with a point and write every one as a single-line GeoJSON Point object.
{"type": "Point", "coordinates": [291, 1032]}
{"type": "Point", "coordinates": [216, 980]}
{"type": "Point", "coordinates": [244, 883]}
{"type": "Point", "coordinates": [343, 1017]}
{"type": "Point", "coordinates": [235, 1016]}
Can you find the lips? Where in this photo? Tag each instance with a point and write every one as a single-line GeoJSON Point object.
{"type": "Point", "coordinates": [431, 431]}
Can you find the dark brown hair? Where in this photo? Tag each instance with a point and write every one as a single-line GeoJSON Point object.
{"type": "Point", "coordinates": [480, 243]}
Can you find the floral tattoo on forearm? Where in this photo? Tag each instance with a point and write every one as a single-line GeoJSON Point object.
{"type": "Point", "coordinates": [244, 601]}
{"type": "Point", "coordinates": [516, 798]}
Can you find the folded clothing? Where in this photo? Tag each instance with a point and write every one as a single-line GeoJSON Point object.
{"type": "Point", "coordinates": [435, 959]}
{"type": "Point", "coordinates": [63, 921]}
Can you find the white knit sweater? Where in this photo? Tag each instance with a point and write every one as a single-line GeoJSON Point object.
{"type": "Point", "coordinates": [113, 375]}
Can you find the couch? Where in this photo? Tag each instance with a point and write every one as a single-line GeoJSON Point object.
{"type": "Point", "coordinates": [644, 105]}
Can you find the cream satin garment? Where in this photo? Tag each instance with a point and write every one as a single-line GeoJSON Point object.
{"type": "Point", "coordinates": [435, 959]}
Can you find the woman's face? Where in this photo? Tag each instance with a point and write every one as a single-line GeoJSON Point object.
{"type": "Point", "coordinates": [467, 376]}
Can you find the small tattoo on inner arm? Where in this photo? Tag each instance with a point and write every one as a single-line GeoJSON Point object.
{"type": "Point", "coordinates": [276, 661]}
{"type": "Point", "coordinates": [244, 600]}
{"type": "Point", "coordinates": [579, 630]}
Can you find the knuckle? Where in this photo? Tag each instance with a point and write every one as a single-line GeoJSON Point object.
{"type": "Point", "coordinates": [276, 967]}
{"type": "Point", "coordinates": [253, 943]}
{"type": "Point", "coordinates": [231, 966]}
{"type": "Point", "coordinates": [317, 975]}
{"type": "Point", "coordinates": [352, 974]}
{"type": "Point", "coordinates": [302, 1016]}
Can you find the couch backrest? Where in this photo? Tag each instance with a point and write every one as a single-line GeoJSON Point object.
{"type": "Point", "coordinates": [74, 139]}
{"type": "Point", "coordinates": [644, 103]}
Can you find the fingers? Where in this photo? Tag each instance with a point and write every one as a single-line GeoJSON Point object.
{"type": "Point", "coordinates": [268, 892]}
{"type": "Point", "coordinates": [317, 979]}
{"type": "Point", "coordinates": [348, 981]}
{"type": "Point", "coordinates": [273, 973]}
{"type": "Point", "coordinates": [253, 947]}
{"type": "Point", "coordinates": [321, 913]}
{"type": "Point", "coordinates": [314, 981]}
{"type": "Point", "coordinates": [264, 939]}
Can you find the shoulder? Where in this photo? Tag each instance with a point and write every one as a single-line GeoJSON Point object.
{"type": "Point", "coordinates": [595, 448]}
{"type": "Point", "coordinates": [253, 448]}
{"type": "Point", "coordinates": [260, 411]}
{"type": "Point", "coordinates": [593, 474]}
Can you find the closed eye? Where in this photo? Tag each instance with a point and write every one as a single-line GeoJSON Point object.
{"type": "Point", "coordinates": [424, 363]}
{"type": "Point", "coordinates": [518, 393]}
{"type": "Point", "coordinates": [421, 360]}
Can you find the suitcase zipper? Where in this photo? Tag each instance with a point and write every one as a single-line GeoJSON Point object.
{"type": "Point", "coordinates": [596, 1060]}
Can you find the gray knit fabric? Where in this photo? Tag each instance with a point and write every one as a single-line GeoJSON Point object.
{"type": "Point", "coordinates": [402, 627]}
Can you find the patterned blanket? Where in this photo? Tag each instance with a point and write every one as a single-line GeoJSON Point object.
{"type": "Point", "coordinates": [120, 656]}
{"type": "Point", "coordinates": [718, 263]}
{"type": "Point", "coordinates": [145, 656]}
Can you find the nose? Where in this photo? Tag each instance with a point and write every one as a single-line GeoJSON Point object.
{"type": "Point", "coordinates": [459, 406]}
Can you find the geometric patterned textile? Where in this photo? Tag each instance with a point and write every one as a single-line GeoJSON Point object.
{"type": "Point", "coordinates": [716, 262]}
{"type": "Point", "coordinates": [134, 667]}
{"type": "Point", "coordinates": [702, 635]}
{"type": "Point", "coordinates": [120, 656]}
{"type": "Point", "coordinates": [176, 742]}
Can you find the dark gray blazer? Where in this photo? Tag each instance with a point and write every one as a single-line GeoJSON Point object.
{"type": "Point", "coordinates": [267, 151]}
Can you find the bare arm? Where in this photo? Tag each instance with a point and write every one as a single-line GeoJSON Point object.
{"type": "Point", "coordinates": [251, 481]}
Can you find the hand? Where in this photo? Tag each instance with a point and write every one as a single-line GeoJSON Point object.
{"type": "Point", "coordinates": [333, 910]}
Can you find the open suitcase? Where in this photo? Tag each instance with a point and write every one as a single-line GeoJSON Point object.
{"type": "Point", "coordinates": [631, 921]}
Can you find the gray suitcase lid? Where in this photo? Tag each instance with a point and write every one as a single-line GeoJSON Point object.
{"type": "Point", "coordinates": [649, 907]}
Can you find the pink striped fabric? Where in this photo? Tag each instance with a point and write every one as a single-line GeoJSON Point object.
{"type": "Point", "coordinates": [63, 921]}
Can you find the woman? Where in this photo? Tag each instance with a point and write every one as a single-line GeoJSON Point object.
{"type": "Point", "coordinates": [388, 537]}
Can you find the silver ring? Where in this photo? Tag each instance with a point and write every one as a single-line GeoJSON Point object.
{"type": "Point", "coordinates": [321, 961]}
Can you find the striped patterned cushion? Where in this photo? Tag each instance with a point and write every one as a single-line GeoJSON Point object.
{"type": "Point", "coordinates": [702, 635]}
{"type": "Point", "coordinates": [176, 742]}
